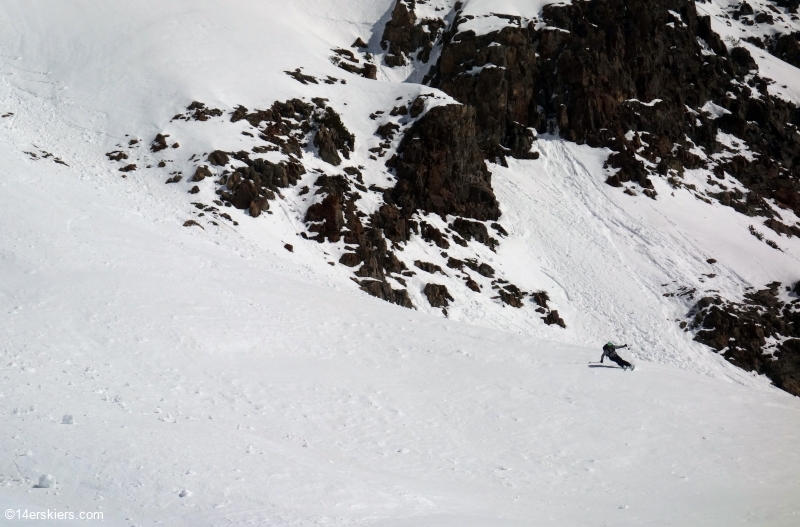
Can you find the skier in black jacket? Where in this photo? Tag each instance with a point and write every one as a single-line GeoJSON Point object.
{"type": "Point", "coordinates": [610, 351]}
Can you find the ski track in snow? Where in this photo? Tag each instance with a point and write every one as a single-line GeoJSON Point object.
{"type": "Point", "coordinates": [605, 257]}
{"type": "Point", "coordinates": [265, 385]}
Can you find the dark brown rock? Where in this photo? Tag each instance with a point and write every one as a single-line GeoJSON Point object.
{"type": "Point", "coordinates": [553, 318]}
{"type": "Point", "coordinates": [159, 143]}
{"type": "Point", "coordinates": [441, 168]}
{"type": "Point", "coordinates": [437, 295]}
{"type": "Point", "coordinates": [430, 233]}
{"type": "Point", "coordinates": [394, 225]}
{"type": "Point", "coordinates": [387, 130]}
{"type": "Point", "coordinates": [200, 174]}
{"type": "Point", "coordinates": [257, 206]}
{"type": "Point", "coordinates": [246, 194]}
{"type": "Point", "coordinates": [417, 107]}
{"type": "Point", "coordinates": [399, 110]}
{"type": "Point", "coordinates": [482, 269]}
{"type": "Point", "coordinates": [590, 67]}
{"type": "Point", "coordinates": [429, 267]}
{"type": "Point", "coordinates": [472, 230]}
{"type": "Point", "coordinates": [499, 228]}
{"type": "Point", "coordinates": [786, 47]}
{"type": "Point", "coordinates": [333, 138]}
{"type": "Point", "coordinates": [301, 77]}
{"type": "Point", "coordinates": [541, 298]}
{"type": "Point", "coordinates": [369, 71]}
{"type": "Point", "coordinates": [199, 112]}
{"type": "Point", "coordinates": [510, 297]}
{"type": "Point", "coordinates": [238, 113]}
{"type": "Point", "coordinates": [329, 213]}
{"type": "Point", "coordinates": [455, 263]}
{"type": "Point", "coordinates": [397, 33]}
{"type": "Point", "coordinates": [743, 58]}
{"type": "Point", "coordinates": [384, 291]}
{"type": "Point", "coordinates": [117, 155]}
{"type": "Point", "coordinates": [350, 259]}
{"type": "Point", "coordinates": [327, 147]}
{"type": "Point", "coordinates": [472, 284]}
{"type": "Point", "coordinates": [218, 158]}
{"type": "Point", "coordinates": [502, 91]}
{"type": "Point", "coordinates": [403, 35]}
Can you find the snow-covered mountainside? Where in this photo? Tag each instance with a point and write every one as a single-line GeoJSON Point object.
{"type": "Point", "coordinates": [349, 262]}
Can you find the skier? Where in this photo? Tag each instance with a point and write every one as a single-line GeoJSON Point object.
{"type": "Point", "coordinates": [609, 350]}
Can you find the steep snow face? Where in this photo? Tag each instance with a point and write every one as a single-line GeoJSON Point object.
{"type": "Point", "coordinates": [624, 265]}
{"type": "Point", "coordinates": [215, 378]}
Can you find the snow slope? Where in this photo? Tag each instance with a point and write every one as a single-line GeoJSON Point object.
{"type": "Point", "coordinates": [277, 402]}
{"type": "Point", "coordinates": [272, 390]}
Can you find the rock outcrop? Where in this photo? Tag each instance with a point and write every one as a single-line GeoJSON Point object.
{"type": "Point", "coordinates": [337, 217]}
{"type": "Point", "coordinates": [495, 74]}
{"type": "Point", "coordinates": [596, 71]}
{"type": "Point", "coordinates": [440, 168]}
{"type": "Point", "coordinates": [288, 123]}
{"type": "Point", "coordinates": [437, 295]}
{"type": "Point", "coordinates": [347, 60]}
{"type": "Point", "coordinates": [786, 47]}
{"type": "Point", "coordinates": [760, 334]}
{"type": "Point", "coordinates": [404, 35]}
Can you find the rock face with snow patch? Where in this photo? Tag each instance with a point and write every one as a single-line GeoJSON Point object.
{"type": "Point", "coordinates": [404, 35]}
{"type": "Point", "coordinates": [494, 73]}
{"type": "Point", "coordinates": [760, 334]}
{"type": "Point", "coordinates": [786, 47]}
{"type": "Point", "coordinates": [598, 71]}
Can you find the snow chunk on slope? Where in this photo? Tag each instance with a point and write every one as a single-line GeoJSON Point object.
{"type": "Point", "coordinates": [714, 109]}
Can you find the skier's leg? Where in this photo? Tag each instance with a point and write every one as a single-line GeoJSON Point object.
{"type": "Point", "coordinates": [619, 361]}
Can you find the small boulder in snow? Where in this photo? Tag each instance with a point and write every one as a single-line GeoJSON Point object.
{"type": "Point", "coordinates": [67, 420]}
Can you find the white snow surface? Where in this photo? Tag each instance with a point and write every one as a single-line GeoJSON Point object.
{"type": "Point", "coordinates": [213, 378]}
